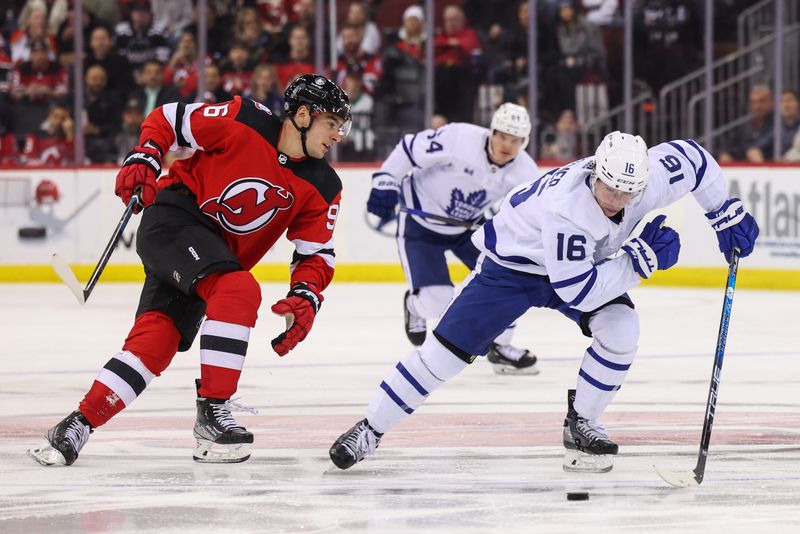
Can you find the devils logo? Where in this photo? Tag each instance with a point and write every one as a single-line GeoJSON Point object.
{"type": "Point", "coordinates": [247, 205]}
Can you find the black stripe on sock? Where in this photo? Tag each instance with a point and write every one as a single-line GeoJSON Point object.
{"type": "Point", "coordinates": [179, 138]}
{"type": "Point", "coordinates": [223, 344]}
{"type": "Point", "coordinates": [127, 373]}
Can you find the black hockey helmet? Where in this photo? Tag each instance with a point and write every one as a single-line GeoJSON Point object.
{"type": "Point", "coordinates": [322, 95]}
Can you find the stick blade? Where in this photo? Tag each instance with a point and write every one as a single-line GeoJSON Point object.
{"type": "Point", "coordinates": [63, 270]}
{"type": "Point", "coordinates": [679, 479]}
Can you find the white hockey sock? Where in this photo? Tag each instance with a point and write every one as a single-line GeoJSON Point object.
{"type": "Point", "coordinates": [430, 301]}
{"type": "Point", "coordinates": [505, 337]}
{"type": "Point", "coordinates": [407, 386]}
{"type": "Point", "coordinates": [600, 377]}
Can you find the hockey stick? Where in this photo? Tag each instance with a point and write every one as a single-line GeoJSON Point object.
{"type": "Point", "coordinates": [684, 479]}
{"type": "Point", "coordinates": [63, 270]}
{"type": "Point", "coordinates": [440, 218]}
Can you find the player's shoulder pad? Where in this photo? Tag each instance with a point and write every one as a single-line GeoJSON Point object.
{"type": "Point", "coordinates": [259, 118]}
{"type": "Point", "coordinates": [320, 175]}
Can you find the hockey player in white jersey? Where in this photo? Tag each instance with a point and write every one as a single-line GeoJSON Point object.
{"type": "Point", "coordinates": [444, 181]}
{"type": "Point", "coordinates": [564, 242]}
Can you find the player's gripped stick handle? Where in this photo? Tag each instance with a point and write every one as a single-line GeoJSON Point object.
{"type": "Point", "coordinates": [65, 273]}
{"type": "Point", "coordinates": [695, 477]}
{"type": "Point", "coordinates": [439, 218]}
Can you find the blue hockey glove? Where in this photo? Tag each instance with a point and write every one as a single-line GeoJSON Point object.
{"type": "Point", "coordinates": [384, 196]}
{"type": "Point", "coordinates": [657, 247]}
{"type": "Point", "coordinates": [735, 228]}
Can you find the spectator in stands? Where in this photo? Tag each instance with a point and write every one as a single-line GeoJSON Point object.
{"type": "Point", "coordinates": [132, 117]}
{"type": "Point", "coordinates": [400, 98]}
{"type": "Point", "coordinates": [301, 14]}
{"type": "Point", "coordinates": [272, 16]}
{"type": "Point", "coordinates": [102, 52]}
{"type": "Point", "coordinates": [52, 145]}
{"type": "Point", "coordinates": [102, 117]}
{"type": "Point", "coordinates": [172, 16]}
{"type": "Point", "coordinates": [138, 39]}
{"type": "Point", "coordinates": [358, 17]}
{"type": "Point", "coordinates": [560, 141]}
{"type": "Point", "coordinates": [214, 92]}
{"type": "Point", "coordinates": [39, 79]}
{"type": "Point", "coordinates": [65, 35]}
{"type": "Point", "coordinates": [299, 60]}
{"type": "Point", "coordinates": [236, 69]}
{"type": "Point", "coordinates": [581, 53]}
{"type": "Point", "coordinates": [354, 60]}
{"type": "Point", "coordinates": [35, 27]}
{"type": "Point", "coordinates": [457, 53]}
{"type": "Point", "coordinates": [9, 149]}
{"type": "Point", "coordinates": [6, 68]}
{"type": "Point", "coordinates": [181, 71]}
{"type": "Point", "coordinates": [265, 90]}
{"type": "Point", "coordinates": [667, 40]}
{"type": "Point", "coordinates": [153, 92]}
{"type": "Point", "coordinates": [752, 141]}
{"type": "Point", "coordinates": [219, 35]}
{"type": "Point", "coordinates": [359, 145]}
{"type": "Point", "coordinates": [250, 33]}
{"type": "Point", "coordinates": [790, 118]}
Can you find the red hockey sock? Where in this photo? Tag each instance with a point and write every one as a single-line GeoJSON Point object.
{"type": "Point", "coordinates": [148, 350]}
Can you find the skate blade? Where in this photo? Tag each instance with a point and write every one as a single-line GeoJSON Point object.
{"type": "Point", "coordinates": [208, 452]}
{"type": "Point", "coordinates": [503, 369]}
{"type": "Point", "coordinates": [580, 462]}
{"type": "Point", "coordinates": [46, 455]}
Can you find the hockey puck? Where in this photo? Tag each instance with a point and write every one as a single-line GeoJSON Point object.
{"type": "Point", "coordinates": [578, 496]}
{"type": "Point", "coordinates": [32, 232]}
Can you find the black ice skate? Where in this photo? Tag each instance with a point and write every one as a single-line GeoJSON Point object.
{"type": "Point", "coordinates": [509, 360]}
{"type": "Point", "coordinates": [354, 445]}
{"type": "Point", "coordinates": [588, 447]}
{"type": "Point", "coordinates": [64, 441]}
{"type": "Point", "coordinates": [416, 328]}
{"type": "Point", "coordinates": [220, 439]}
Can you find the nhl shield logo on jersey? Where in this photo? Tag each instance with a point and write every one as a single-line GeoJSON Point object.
{"type": "Point", "coordinates": [247, 205]}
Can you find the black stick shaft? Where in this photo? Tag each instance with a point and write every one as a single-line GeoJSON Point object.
{"type": "Point", "coordinates": [112, 244]}
{"type": "Point", "coordinates": [711, 403]}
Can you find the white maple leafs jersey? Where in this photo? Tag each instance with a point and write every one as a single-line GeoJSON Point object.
{"type": "Point", "coordinates": [553, 226]}
{"type": "Point", "coordinates": [447, 172]}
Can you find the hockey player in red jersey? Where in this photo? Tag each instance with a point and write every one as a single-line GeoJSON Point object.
{"type": "Point", "coordinates": [204, 226]}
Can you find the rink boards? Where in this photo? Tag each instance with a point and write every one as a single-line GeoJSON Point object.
{"type": "Point", "coordinates": [78, 224]}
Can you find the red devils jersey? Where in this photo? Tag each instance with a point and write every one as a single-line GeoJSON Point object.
{"type": "Point", "coordinates": [251, 190]}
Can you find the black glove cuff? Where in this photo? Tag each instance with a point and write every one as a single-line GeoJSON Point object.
{"type": "Point", "coordinates": [304, 292]}
{"type": "Point", "coordinates": [135, 157]}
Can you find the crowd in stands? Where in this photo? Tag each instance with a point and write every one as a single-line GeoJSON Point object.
{"type": "Point", "coordinates": [140, 54]}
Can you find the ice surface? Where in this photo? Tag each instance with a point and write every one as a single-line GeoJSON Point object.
{"type": "Point", "coordinates": [482, 455]}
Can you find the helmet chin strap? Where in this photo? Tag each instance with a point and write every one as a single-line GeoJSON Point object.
{"type": "Point", "coordinates": [303, 131]}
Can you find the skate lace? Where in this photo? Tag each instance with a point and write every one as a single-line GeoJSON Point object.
{"type": "Point", "coordinates": [77, 434]}
{"type": "Point", "coordinates": [361, 442]}
{"type": "Point", "coordinates": [511, 352]}
{"type": "Point", "coordinates": [592, 429]}
{"type": "Point", "coordinates": [236, 407]}
{"type": "Point", "coordinates": [222, 415]}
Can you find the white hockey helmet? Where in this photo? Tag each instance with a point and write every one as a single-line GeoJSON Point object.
{"type": "Point", "coordinates": [513, 120]}
{"type": "Point", "coordinates": [621, 162]}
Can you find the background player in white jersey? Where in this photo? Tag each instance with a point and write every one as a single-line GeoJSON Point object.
{"type": "Point", "coordinates": [452, 174]}
{"type": "Point", "coordinates": [562, 242]}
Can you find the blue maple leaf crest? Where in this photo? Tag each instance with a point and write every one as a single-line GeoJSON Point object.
{"type": "Point", "coordinates": [466, 208]}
